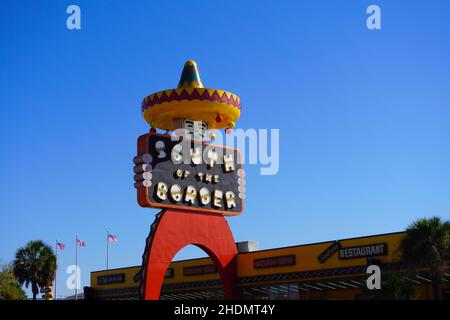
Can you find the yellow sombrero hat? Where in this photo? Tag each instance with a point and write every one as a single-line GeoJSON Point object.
{"type": "Point", "coordinates": [191, 100]}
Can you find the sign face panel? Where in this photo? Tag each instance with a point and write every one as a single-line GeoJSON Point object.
{"type": "Point", "coordinates": [370, 250]}
{"type": "Point", "coordinates": [188, 174]}
{"type": "Point", "coordinates": [328, 252]}
{"type": "Point", "coordinates": [273, 262]}
{"type": "Point", "coordinates": [111, 278]}
{"type": "Point", "coordinates": [199, 270]}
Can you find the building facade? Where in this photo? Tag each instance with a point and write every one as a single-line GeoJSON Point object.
{"type": "Point", "coordinates": [325, 270]}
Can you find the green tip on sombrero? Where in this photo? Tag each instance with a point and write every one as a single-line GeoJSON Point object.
{"type": "Point", "coordinates": [190, 78]}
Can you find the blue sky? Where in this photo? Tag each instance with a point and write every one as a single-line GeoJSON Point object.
{"type": "Point", "coordinates": [363, 116]}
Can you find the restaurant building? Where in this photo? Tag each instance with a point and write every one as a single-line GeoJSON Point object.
{"type": "Point", "coordinates": [326, 270]}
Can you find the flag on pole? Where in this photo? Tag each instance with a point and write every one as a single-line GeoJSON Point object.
{"type": "Point", "coordinates": [60, 246]}
{"type": "Point", "coordinates": [112, 238]}
{"type": "Point", "coordinates": [81, 243]}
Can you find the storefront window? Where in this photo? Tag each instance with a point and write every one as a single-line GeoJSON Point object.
{"type": "Point", "coordinates": [274, 292]}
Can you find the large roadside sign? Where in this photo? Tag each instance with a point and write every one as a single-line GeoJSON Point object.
{"type": "Point", "coordinates": [46, 290]}
{"type": "Point", "coordinates": [180, 173]}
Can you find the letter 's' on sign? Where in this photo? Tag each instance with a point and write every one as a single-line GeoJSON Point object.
{"type": "Point", "coordinates": [188, 175]}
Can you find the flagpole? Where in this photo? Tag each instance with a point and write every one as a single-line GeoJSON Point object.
{"type": "Point", "coordinates": [107, 250]}
{"type": "Point", "coordinates": [56, 270]}
{"type": "Point", "coordinates": [76, 266]}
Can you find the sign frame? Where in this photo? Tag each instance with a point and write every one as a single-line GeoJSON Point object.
{"type": "Point", "coordinates": [143, 196]}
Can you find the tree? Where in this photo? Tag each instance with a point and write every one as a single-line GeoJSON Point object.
{"type": "Point", "coordinates": [35, 264]}
{"type": "Point", "coordinates": [427, 244]}
{"type": "Point", "coordinates": [393, 287]}
{"type": "Point", "coordinates": [10, 289]}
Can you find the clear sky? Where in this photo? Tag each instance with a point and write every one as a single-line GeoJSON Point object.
{"type": "Point", "coordinates": [364, 116]}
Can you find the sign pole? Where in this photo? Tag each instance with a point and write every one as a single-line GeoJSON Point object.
{"type": "Point", "coordinates": [76, 266]}
{"type": "Point", "coordinates": [107, 250]}
{"type": "Point", "coordinates": [56, 270]}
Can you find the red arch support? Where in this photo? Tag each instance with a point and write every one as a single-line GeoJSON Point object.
{"type": "Point", "coordinates": [177, 229]}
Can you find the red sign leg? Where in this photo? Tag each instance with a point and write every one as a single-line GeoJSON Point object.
{"type": "Point", "coordinates": [177, 229]}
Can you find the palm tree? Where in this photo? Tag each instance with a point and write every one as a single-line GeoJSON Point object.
{"type": "Point", "coordinates": [35, 264]}
{"type": "Point", "coordinates": [427, 244]}
{"type": "Point", "coordinates": [10, 289]}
